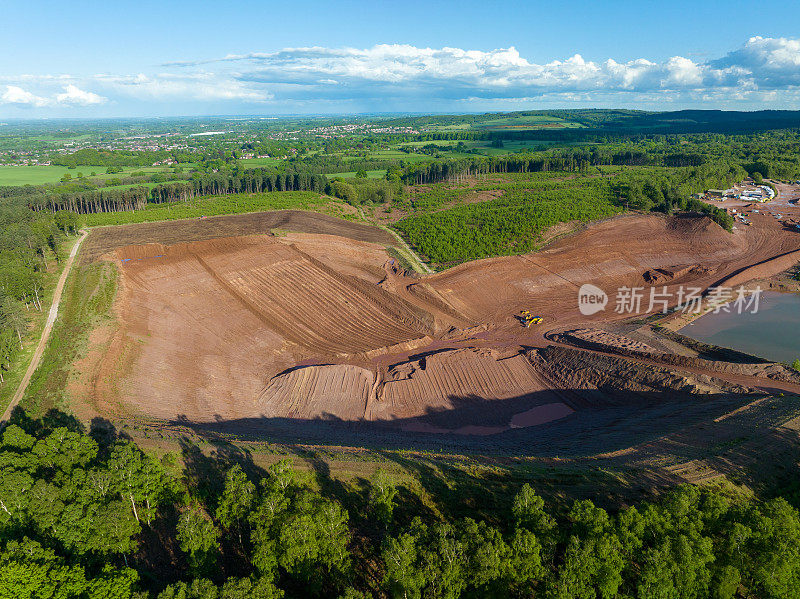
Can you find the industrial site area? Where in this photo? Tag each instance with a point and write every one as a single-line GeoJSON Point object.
{"type": "Point", "coordinates": [292, 326]}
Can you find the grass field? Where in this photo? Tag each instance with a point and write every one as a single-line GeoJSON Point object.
{"type": "Point", "coordinates": [32, 175]}
{"type": "Point", "coordinates": [520, 120]}
{"type": "Point", "coordinates": [259, 162]}
{"type": "Point", "coordinates": [38, 175]}
{"type": "Point", "coordinates": [216, 205]}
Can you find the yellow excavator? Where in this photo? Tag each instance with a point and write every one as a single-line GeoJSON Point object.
{"type": "Point", "coordinates": [527, 319]}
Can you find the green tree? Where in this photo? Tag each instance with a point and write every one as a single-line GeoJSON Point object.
{"type": "Point", "coordinates": [529, 513]}
{"type": "Point", "coordinates": [404, 577]}
{"type": "Point", "coordinates": [382, 492]}
{"type": "Point", "coordinates": [238, 498]}
{"type": "Point", "coordinates": [29, 571]}
{"type": "Point", "coordinates": [139, 480]}
{"type": "Point", "coordinates": [198, 537]}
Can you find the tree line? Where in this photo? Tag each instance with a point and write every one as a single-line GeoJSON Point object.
{"type": "Point", "coordinates": [573, 160]}
{"type": "Point", "coordinates": [90, 201]}
{"type": "Point", "coordinates": [89, 515]}
{"type": "Point", "coordinates": [114, 158]}
{"type": "Point", "coordinates": [27, 239]}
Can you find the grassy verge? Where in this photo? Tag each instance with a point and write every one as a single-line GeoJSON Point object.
{"type": "Point", "coordinates": [36, 321]}
{"type": "Point", "coordinates": [407, 255]}
{"type": "Point", "coordinates": [87, 301]}
{"type": "Point", "coordinates": [213, 206]}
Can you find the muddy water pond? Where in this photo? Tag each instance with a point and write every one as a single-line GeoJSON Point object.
{"type": "Point", "coordinates": [773, 332]}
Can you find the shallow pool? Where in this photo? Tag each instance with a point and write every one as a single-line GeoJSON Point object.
{"type": "Point", "coordinates": [772, 333]}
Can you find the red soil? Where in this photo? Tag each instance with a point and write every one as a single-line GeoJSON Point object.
{"type": "Point", "coordinates": [297, 326]}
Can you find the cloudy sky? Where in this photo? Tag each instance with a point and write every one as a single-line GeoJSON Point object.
{"type": "Point", "coordinates": [180, 58]}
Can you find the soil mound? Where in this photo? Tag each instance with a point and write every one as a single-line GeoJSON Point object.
{"type": "Point", "coordinates": [107, 239]}
{"type": "Point", "coordinates": [334, 391]}
{"type": "Point", "coordinates": [661, 276]}
{"type": "Point", "coordinates": [606, 380]}
{"type": "Point", "coordinates": [600, 339]}
{"type": "Point", "coordinates": [611, 255]}
{"type": "Point", "coordinates": [451, 380]}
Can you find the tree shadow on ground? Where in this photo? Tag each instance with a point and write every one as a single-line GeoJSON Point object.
{"type": "Point", "coordinates": [607, 453]}
{"type": "Point", "coordinates": [205, 471]}
{"type": "Point", "coordinates": [52, 419]}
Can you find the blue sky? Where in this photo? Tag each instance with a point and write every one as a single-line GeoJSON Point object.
{"type": "Point", "coordinates": [167, 58]}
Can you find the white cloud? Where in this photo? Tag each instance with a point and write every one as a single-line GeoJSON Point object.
{"type": "Point", "coordinates": [74, 95]}
{"type": "Point", "coordinates": [17, 95]}
{"type": "Point", "coordinates": [770, 62]}
{"type": "Point", "coordinates": [298, 73]}
{"type": "Point", "coordinates": [182, 86]}
{"type": "Point", "coordinates": [682, 72]}
{"type": "Point", "coordinates": [402, 77]}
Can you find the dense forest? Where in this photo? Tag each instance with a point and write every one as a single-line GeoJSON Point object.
{"type": "Point", "coordinates": [88, 514]}
{"type": "Point", "coordinates": [27, 240]}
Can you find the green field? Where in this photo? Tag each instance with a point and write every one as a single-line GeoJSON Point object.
{"type": "Point", "coordinates": [514, 121]}
{"type": "Point", "coordinates": [259, 162]}
{"type": "Point", "coordinates": [32, 175]}
{"type": "Point", "coordinates": [214, 206]}
{"type": "Point", "coordinates": [38, 175]}
{"type": "Point", "coordinates": [500, 122]}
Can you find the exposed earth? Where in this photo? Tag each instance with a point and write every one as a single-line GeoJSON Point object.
{"type": "Point", "coordinates": [302, 327]}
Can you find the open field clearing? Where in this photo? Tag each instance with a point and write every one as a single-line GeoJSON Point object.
{"type": "Point", "coordinates": [526, 122]}
{"type": "Point", "coordinates": [36, 175]}
{"type": "Point", "coordinates": [31, 175]}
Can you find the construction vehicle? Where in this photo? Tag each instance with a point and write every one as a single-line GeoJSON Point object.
{"type": "Point", "coordinates": [527, 319]}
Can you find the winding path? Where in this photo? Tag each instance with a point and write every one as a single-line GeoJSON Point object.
{"type": "Point", "coordinates": [48, 327]}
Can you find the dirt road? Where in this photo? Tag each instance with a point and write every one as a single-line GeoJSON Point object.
{"type": "Point", "coordinates": [48, 327]}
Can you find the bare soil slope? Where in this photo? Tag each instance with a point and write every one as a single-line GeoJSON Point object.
{"type": "Point", "coordinates": [107, 239]}
{"type": "Point", "coordinates": [321, 325]}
